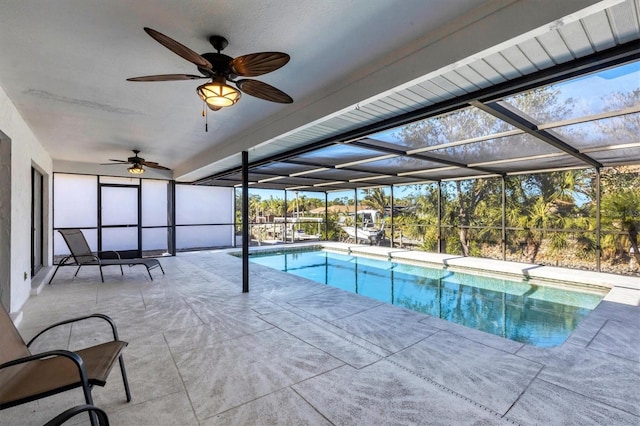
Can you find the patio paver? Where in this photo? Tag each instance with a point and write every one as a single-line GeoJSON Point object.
{"type": "Point", "coordinates": [296, 352]}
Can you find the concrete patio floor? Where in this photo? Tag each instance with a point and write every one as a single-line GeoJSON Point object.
{"type": "Point", "coordinates": [295, 352]}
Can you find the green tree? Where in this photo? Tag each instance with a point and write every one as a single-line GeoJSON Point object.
{"type": "Point", "coordinates": [376, 199]}
{"type": "Point", "coordinates": [255, 207]}
{"type": "Point", "coordinates": [541, 202]}
{"type": "Point", "coordinates": [274, 206]}
{"type": "Point", "coordinates": [621, 211]}
{"type": "Point", "coordinates": [471, 196]}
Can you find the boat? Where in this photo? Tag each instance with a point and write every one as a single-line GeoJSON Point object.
{"type": "Point", "coordinates": [368, 232]}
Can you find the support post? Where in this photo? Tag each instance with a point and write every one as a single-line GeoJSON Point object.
{"type": "Point", "coordinates": [139, 245]}
{"type": "Point", "coordinates": [440, 242]}
{"type": "Point", "coordinates": [504, 219]}
{"type": "Point", "coordinates": [234, 242]}
{"type": "Point", "coordinates": [392, 220]}
{"type": "Point", "coordinates": [99, 199]}
{"type": "Point", "coordinates": [326, 215]}
{"type": "Point", "coordinates": [171, 217]}
{"type": "Point", "coordinates": [355, 217]}
{"type": "Point", "coordinates": [284, 225]}
{"type": "Point", "coordinates": [245, 222]}
{"type": "Point", "coordinates": [598, 195]}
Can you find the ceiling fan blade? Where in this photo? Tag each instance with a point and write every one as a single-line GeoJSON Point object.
{"type": "Point", "coordinates": [154, 165]}
{"type": "Point", "coordinates": [167, 77]}
{"type": "Point", "coordinates": [114, 162]}
{"type": "Point", "coordinates": [179, 49]}
{"type": "Point", "coordinates": [263, 91]}
{"type": "Point", "coordinates": [256, 64]}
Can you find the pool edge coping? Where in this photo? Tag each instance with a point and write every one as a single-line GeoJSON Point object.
{"type": "Point", "coordinates": [618, 288]}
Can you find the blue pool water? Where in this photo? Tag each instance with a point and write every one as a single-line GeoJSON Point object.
{"type": "Point", "coordinates": [537, 315]}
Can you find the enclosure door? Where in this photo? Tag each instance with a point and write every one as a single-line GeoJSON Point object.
{"type": "Point", "coordinates": [36, 221]}
{"type": "Point", "coordinates": [119, 220]}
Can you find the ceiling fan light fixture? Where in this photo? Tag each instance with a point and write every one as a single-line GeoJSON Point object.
{"type": "Point", "coordinates": [136, 169]}
{"type": "Point", "coordinates": [218, 94]}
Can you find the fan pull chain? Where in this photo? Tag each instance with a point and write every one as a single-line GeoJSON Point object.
{"type": "Point", "coordinates": [206, 119]}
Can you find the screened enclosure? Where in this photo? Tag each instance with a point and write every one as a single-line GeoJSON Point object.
{"type": "Point", "coordinates": [549, 174]}
{"type": "Point", "coordinates": [543, 170]}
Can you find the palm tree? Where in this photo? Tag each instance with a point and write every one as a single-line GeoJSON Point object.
{"type": "Point", "coordinates": [376, 199]}
{"type": "Point", "coordinates": [621, 210]}
{"type": "Point", "coordinates": [298, 204]}
{"type": "Point", "coordinates": [533, 205]}
{"type": "Point", "coordinates": [274, 206]}
{"type": "Point", "coordinates": [254, 206]}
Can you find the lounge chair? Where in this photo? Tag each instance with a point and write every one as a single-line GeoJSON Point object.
{"type": "Point", "coordinates": [81, 255]}
{"type": "Point", "coordinates": [26, 377]}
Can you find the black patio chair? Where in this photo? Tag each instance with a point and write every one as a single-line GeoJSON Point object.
{"type": "Point", "coordinates": [99, 415]}
{"type": "Point", "coordinates": [81, 255]}
{"type": "Point", "coordinates": [26, 377]}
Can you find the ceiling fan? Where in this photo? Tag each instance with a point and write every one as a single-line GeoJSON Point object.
{"type": "Point", "coordinates": [137, 163]}
{"type": "Point", "coordinates": [222, 69]}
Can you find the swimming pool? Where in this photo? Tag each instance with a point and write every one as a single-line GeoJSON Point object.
{"type": "Point", "coordinates": [518, 310]}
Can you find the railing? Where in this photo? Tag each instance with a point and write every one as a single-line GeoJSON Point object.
{"type": "Point", "coordinates": [571, 248]}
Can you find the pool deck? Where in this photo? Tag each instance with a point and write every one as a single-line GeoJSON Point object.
{"type": "Point", "coordinates": [292, 351]}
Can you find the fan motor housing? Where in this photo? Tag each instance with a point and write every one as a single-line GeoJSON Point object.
{"type": "Point", "coordinates": [220, 64]}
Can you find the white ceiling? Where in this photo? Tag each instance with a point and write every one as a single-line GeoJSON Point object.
{"type": "Point", "coordinates": [64, 64]}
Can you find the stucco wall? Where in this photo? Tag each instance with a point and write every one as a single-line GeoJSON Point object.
{"type": "Point", "coordinates": [21, 145]}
